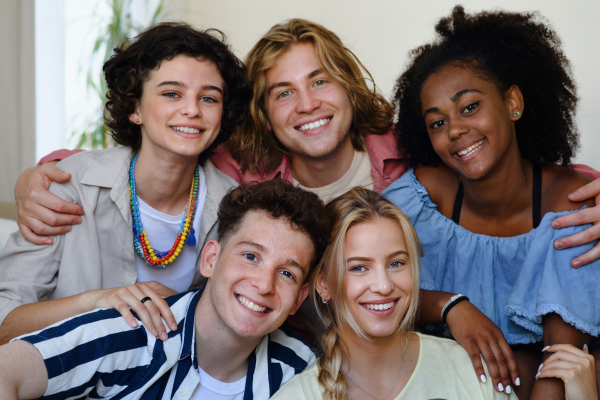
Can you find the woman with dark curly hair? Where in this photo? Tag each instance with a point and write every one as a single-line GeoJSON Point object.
{"type": "Point", "coordinates": [486, 116]}
{"type": "Point", "coordinates": [174, 93]}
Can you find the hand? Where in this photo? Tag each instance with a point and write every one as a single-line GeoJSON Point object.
{"type": "Point", "coordinates": [477, 334]}
{"type": "Point", "coordinates": [587, 216]}
{"type": "Point", "coordinates": [576, 369]}
{"type": "Point", "coordinates": [150, 312]}
{"type": "Point", "coordinates": [40, 212]}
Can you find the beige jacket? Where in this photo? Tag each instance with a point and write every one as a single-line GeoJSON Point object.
{"type": "Point", "coordinates": [98, 253]}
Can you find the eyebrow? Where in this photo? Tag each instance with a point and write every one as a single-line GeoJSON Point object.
{"type": "Point", "coordinates": [454, 99]}
{"type": "Point", "coordinates": [280, 84]}
{"type": "Point", "coordinates": [183, 85]}
{"type": "Point", "coordinates": [289, 261]}
{"type": "Point", "coordinates": [394, 254]}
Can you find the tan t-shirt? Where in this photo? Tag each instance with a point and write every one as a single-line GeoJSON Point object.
{"type": "Point", "coordinates": [443, 371]}
{"type": "Point", "coordinates": [359, 174]}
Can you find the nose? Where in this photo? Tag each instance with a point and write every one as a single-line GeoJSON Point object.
{"type": "Point", "coordinates": [191, 108]}
{"type": "Point", "coordinates": [264, 281]}
{"type": "Point", "coordinates": [456, 128]}
{"type": "Point", "coordinates": [382, 283]}
{"type": "Point", "coordinates": [307, 101]}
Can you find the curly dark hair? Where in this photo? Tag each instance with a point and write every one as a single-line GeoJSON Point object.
{"type": "Point", "coordinates": [506, 49]}
{"type": "Point", "coordinates": [129, 67]}
{"type": "Point", "coordinates": [279, 199]}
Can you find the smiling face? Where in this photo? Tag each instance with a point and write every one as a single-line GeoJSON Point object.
{"type": "Point", "coordinates": [378, 281]}
{"type": "Point", "coordinates": [470, 121]}
{"type": "Point", "coordinates": [309, 112]}
{"type": "Point", "coordinates": [257, 277]}
{"type": "Point", "coordinates": [180, 108]}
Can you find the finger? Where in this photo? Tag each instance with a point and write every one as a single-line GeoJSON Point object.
{"type": "Point", "coordinates": [505, 377]}
{"type": "Point", "coordinates": [566, 348]}
{"type": "Point", "coordinates": [492, 365]}
{"type": "Point", "coordinates": [163, 308]}
{"type": "Point", "coordinates": [585, 192]}
{"type": "Point", "coordinates": [159, 288]}
{"type": "Point", "coordinates": [51, 201]}
{"type": "Point", "coordinates": [590, 256]}
{"type": "Point", "coordinates": [31, 237]}
{"type": "Point", "coordinates": [511, 361]}
{"type": "Point", "coordinates": [54, 173]}
{"type": "Point", "coordinates": [157, 321]}
{"type": "Point", "coordinates": [131, 297]}
{"type": "Point", "coordinates": [46, 222]}
{"type": "Point", "coordinates": [585, 216]}
{"type": "Point", "coordinates": [475, 356]}
{"type": "Point", "coordinates": [124, 310]}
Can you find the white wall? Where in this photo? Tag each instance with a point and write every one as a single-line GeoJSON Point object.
{"type": "Point", "coordinates": [381, 32]}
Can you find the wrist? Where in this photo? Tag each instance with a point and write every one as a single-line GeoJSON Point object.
{"type": "Point", "coordinates": [454, 300]}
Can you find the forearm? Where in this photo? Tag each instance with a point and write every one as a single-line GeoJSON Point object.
{"type": "Point", "coordinates": [22, 372]}
{"type": "Point", "coordinates": [35, 316]}
{"type": "Point", "coordinates": [556, 331]}
{"type": "Point", "coordinates": [431, 304]}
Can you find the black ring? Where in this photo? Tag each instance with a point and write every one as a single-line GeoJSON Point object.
{"type": "Point", "coordinates": [145, 299]}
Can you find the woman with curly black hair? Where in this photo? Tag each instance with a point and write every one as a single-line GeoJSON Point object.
{"type": "Point", "coordinates": [486, 117]}
{"type": "Point", "coordinates": [174, 93]}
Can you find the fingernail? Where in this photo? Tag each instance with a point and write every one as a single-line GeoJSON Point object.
{"type": "Point", "coordinates": [81, 212]}
{"type": "Point", "coordinates": [48, 241]}
{"type": "Point", "coordinates": [558, 244]}
{"type": "Point", "coordinates": [482, 378]}
{"type": "Point", "coordinates": [518, 381]}
{"type": "Point", "coordinates": [133, 324]}
{"type": "Point", "coordinates": [77, 220]}
{"type": "Point", "coordinates": [577, 263]}
{"type": "Point", "coordinates": [164, 336]}
{"type": "Point", "coordinates": [540, 368]}
{"type": "Point", "coordinates": [508, 390]}
{"type": "Point", "coordinates": [545, 348]}
{"type": "Point", "coordinates": [555, 224]}
{"type": "Point", "coordinates": [585, 347]}
{"type": "Point", "coordinates": [500, 387]}
{"type": "Point", "coordinates": [155, 332]}
{"type": "Point", "coordinates": [576, 194]}
{"type": "Point", "coordinates": [67, 228]}
{"type": "Point", "coordinates": [174, 327]}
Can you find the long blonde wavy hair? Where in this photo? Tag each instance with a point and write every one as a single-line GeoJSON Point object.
{"type": "Point", "coordinates": [257, 148]}
{"type": "Point", "coordinates": [354, 207]}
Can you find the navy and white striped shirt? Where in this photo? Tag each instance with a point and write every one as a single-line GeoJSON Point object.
{"type": "Point", "coordinates": [99, 355]}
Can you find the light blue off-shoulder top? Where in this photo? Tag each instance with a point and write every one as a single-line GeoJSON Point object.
{"type": "Point", "coordinates": [513, 280]}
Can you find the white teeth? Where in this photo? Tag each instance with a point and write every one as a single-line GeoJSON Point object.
{"type": "Point", "coordinates": [380, 307]}
{"type": "Point", "coordinates": [471, 149]}
{"type": "Point", "coordinates": [186, 130]}
{"type": "Point", "coordinates": [315, 124]}
{"type": "Point", "coordinates": [250, 305]}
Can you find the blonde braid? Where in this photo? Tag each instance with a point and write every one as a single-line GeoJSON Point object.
{"type": "Point", "coordinates": [331, 376]}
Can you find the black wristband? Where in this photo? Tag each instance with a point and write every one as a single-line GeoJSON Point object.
{"type": "Point", "coordinates": [449, 306]}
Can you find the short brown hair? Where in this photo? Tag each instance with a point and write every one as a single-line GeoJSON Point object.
{"type": "Point", "coordinates": [253, 145]}
{"type": "Point", "coordinates": [128, 70]}
{"type": "Point", "coordinates": [279, 199]}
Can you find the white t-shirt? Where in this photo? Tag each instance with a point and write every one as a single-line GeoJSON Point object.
{"type": "Point", "coordinates": [359, 174]}
{"type": "Point", "coordinates": [162, 230]}
{"type": "Point", "coordinates": [212, 389]}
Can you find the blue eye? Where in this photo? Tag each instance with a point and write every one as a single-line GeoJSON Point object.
{"type": "Point", "coordinates": [358, 268]}
{"type": "Point", "coordinates": [171, 95]}
{"type": "Point", "coordinates": [207, 99]}
{"type": "Point", "coordinates": [320, 82]}
{"type": "Point", "coordinates": [397, 264]}
{"type": "Point", "coordinates": [285, 93]}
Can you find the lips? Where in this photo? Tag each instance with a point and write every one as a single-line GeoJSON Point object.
{"type": "Point", "coordinates": [380, 306]}
{"type": "Point", "coordinates": [470, 150]}
{"type": "Point", "coordinates": [185, 129]}
{"type": "Point", "coordinates": [250, 305]}
{"type": "Point", "coordinates": [314, 124]}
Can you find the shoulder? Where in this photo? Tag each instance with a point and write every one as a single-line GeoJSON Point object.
{"type": "Point", "coordinates": [441, 183]}
{"type": "Point", "coordinates": [304, 386]}
{"type": "Point", "coordinates": [217, 179]}
{"type": "Point", "coordinates": [557, 183]}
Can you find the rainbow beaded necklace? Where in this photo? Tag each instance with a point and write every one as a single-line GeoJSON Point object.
{"type": "Point", "coordinates": [186, 231]}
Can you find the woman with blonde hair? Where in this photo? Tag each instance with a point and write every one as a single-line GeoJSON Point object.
{"type": "Point", "coordinates": [366, 292]}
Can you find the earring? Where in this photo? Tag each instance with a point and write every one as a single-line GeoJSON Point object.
{"type": "Point", "coordinates": [137, 121]}
{"type": "Point", "coordinates": [516, 115]}
{"type": "Point", "coordinates": [323, 298]}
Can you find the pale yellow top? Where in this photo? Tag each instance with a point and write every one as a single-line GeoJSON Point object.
{"type": "Point", "coordinates": [443, 371]}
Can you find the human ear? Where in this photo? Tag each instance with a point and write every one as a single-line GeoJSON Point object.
{"type": "Point", "coordinates": [321, 288]}
{"type": "Point", "coordinates": [301, 296]}
{"type": "Point", "coordinates": [208, 260]}
{"type": "Point", "coordinates": [515, 102]}
{"type": "Point", "coordinates": [135, 117]}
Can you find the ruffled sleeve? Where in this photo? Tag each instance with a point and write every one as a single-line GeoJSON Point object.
{"type": "Point", "coordinates": [548, 284]}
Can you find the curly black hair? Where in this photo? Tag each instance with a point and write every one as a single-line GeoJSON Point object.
{"type": "Point", "coordinates": [506, 49]}
{"type": "Point", "coordinates": [128, 69]}
{"type": "Point", "coordinates": [279, 199]}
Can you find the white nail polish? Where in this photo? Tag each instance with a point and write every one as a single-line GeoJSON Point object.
{"type": "Point", "coordinates": [482, 378]}
{"type": "Point", "coordinates": [540, 368]}
{"type": "Point", "coordinates": [585, 347]}
{"type": "Point", "coordinates": [545, 348]}
{"type": "Point", "coordinates": [508, 390]}
{"type": "Point", "coordinates": [500, 387]}
{"type": "Point", "coordinates": [536, 376]}
{"type": "Point", "coordinates": [518, 381]}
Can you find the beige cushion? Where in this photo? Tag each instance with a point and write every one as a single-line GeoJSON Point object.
{"type": "Point", "coordinates": [8, 210]}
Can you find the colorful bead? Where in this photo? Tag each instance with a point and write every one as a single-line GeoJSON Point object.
{"type": "Point", "coordinates": [141, 243]}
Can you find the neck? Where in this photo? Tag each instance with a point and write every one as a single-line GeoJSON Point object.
{"type": "Point", "coordinates": [164, 182]}
{"type": "Point", "coordinates": [322, 171]}
{"type": "Point", "coordinates": [504, 192]}
{"type": "Point", "coordinates": [220, 353]}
